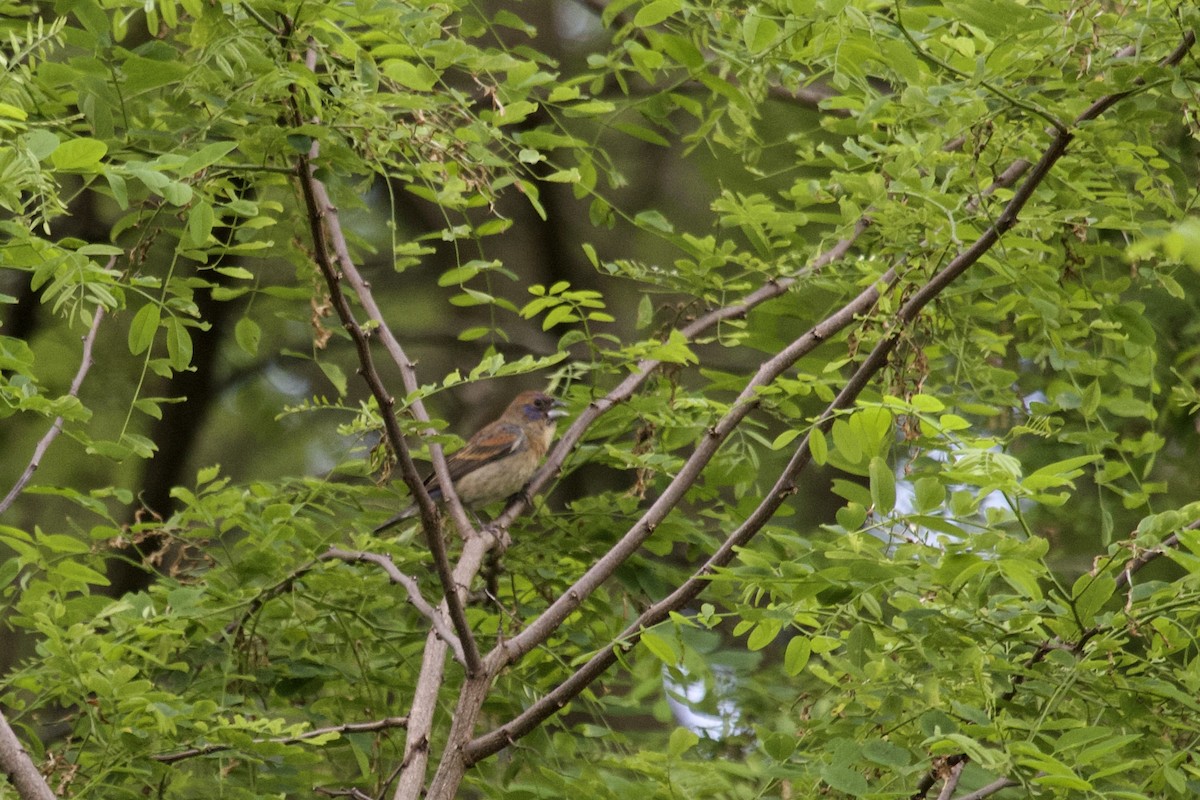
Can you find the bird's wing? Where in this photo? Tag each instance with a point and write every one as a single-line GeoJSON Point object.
{"type": "Point", "coordinates": [491, 443]}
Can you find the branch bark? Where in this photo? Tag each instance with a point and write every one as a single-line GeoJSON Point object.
{"type": "Point", "coordinates": [410, 587]}
{"type": "Point", "coordinates": [39, 452]}
{"type": "Point", "coordinates": [327, 235]}
{"type": "Point", "coordinates": [19, 767]}
{"type": "Point", "coordinates": [348, 727]}
{"type": "Point", "coordinates": [536, 632]}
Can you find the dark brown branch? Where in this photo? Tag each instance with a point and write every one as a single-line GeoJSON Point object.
{"type": "Point", "coordinates": [354, 794]}
{"type": "Point", "coordinates": [548, 705]}
{"type": "Point", "coordinates": [410, 587]}
{"type": "Point", "coordinates": [56, 427]}
{"type": "Point", "coordinates": [349, 727]}
{"type": "Point", "coordinates": [327, 236]}
{"type": "Point", "coordinates": [645, 368]}
{"type": "Point", "coordinates": [1146, 556]}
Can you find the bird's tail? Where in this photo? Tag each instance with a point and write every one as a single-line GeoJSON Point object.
{"type": "Point", "coordinates": [407, 513]}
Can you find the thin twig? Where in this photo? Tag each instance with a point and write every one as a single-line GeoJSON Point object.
{"type": "Point", "coordinates": [56, 428]}
{"type": "Point", "coordinates": [989, 790]}
{"type": "Point", "coordinates": [348, 727]}
{"type": "Point", "coordinates": [356, 794]}
{"type": "Point", "coordinates": [266, 595]}
{"type": "Point", "coordinates": [409, 583]}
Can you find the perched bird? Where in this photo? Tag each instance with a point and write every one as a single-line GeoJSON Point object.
{"type": "Point", "coordinates": [500, 459]}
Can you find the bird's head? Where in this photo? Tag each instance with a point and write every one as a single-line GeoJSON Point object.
{"type": "Point", "coordinates": [538, 406]}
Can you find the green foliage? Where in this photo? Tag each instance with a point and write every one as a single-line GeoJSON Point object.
{"type": "Point", "coordinates": [951, 577]}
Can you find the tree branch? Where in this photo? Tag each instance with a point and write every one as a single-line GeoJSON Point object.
{"type": "Point", "coordinates": [1146, 556]}
{"type": "Point", "coordinates": [348, 727]}
{"type": "Point", "coordinates": [544, 625]}
{"type": "Point", "coordinates": [989, 790]}
{"type": "Point", "coordinates": [645, 368]}
{"type": "Point", "coordinates": [410, 586]}
{"type": "Point", "coordinates": [44, 443]}
{"type": "Point", "coordinates": [327, 235]}
{"type": "Point", "coordinates": [411, 782]}
{"type": "Point", "coordinates": [952, 780]}
{"type": "Point", "coordinates": [19, 767]}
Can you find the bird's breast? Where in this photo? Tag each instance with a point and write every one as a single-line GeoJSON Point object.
{"type": "Point", "coordinates": [498, 480]}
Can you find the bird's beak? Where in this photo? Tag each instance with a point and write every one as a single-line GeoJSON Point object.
{"type": "Point", "coordinates": [557, 410]}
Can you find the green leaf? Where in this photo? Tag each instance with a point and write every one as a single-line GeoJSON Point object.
{"type": "Point", "coordinates": [73, 571]}
{"type": "Point", "coordinates": [848, 441]}
{"type": "Point", "coordinates": [795, 658]}
{"type": "Point", "coordinates": [883, 486]}
{"type": "Point", "coordinates": [418, 77]}
{"type": "Point", "coordinates": [200, 223]}
{"type": "Point", "coordinates": [818, 446]}
{"type": "Point", "coordinates": [674, 351]}
{"type": "Point", "coordinates": [12, 112]}
{"type": "Point", "coordinates": [78, 155]}
{"type": "Point", "coordinates": [851, 516]}
{"type": "Point", "coordinates": [844, 779]}
{"type": "Point", "coordinates": [758, 32]}
{"type": "Point", "coordinates": [681, 741]}
{"type": "Point", "coordinates": [655, 12]}
{"type": "Point", "coordinates": [61, 543]}
{"type": "Point", "coordinates": [559, 314]}
{"type": "Point", "coordinates": [248, 334]}
{"type": "Point", "coordinates": [1022, 575]}
{"type": "Point", "coordinates": [765, 632]}
{"type": "Point", "coordinates": [143, 328]}
{"type": "Point", "coordinates": [206, 156]}
{"type": "Point", "coordinates": [336, 376]}
{"type": "Point", "coordinates": [660, 648]}
{"type": "Point", "coordinates": [654, 220]}
{"type": "Point", "coordinates": [643, 133]}
{"type": "Point", "coordinates": [886, 754]}
{"type": "Point", "coordinates": [785, 438]}
{"type": "Point", "coordinates": [929, 494]}
{"type": "Point", "coordinates": [1090, 593]}
{"type": "Point", "coordinates": [179, 344]}
{"type": "Point", "coordinates": [645, 313]}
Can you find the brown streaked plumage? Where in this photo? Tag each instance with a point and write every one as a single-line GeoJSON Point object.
{"type": "Point", "coordinates": [501, 457]}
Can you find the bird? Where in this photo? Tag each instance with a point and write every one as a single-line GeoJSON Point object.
{"type": "Point", "coordinates": [501, 457]}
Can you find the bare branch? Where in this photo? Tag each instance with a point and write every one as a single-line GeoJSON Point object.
{"type": "Point", "coordinates": [1146, 556]}
{"type": "Point", "coordinates": [19, 767]}
{"type": "Point", "coordinates": [410, 586]}
{"type": "Point", "coordinates": [951, 783]}
{"type": "Point", "coordinates": [348, 727]}
{"type": "Point", "coordinates": [540, 628]}
{"type": "Point", "coordinates": [411, 782]}
{"type": "Point", "coordinates": [989, 790]}
{"type": "Point", "coordinates": [328, 237]}
{"type": "Point", "coordinates": [44, 443]}
{"type": "Point", "coordinates": [355, 794]}
{"type": "Point", "coordinates": [646, 367]}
